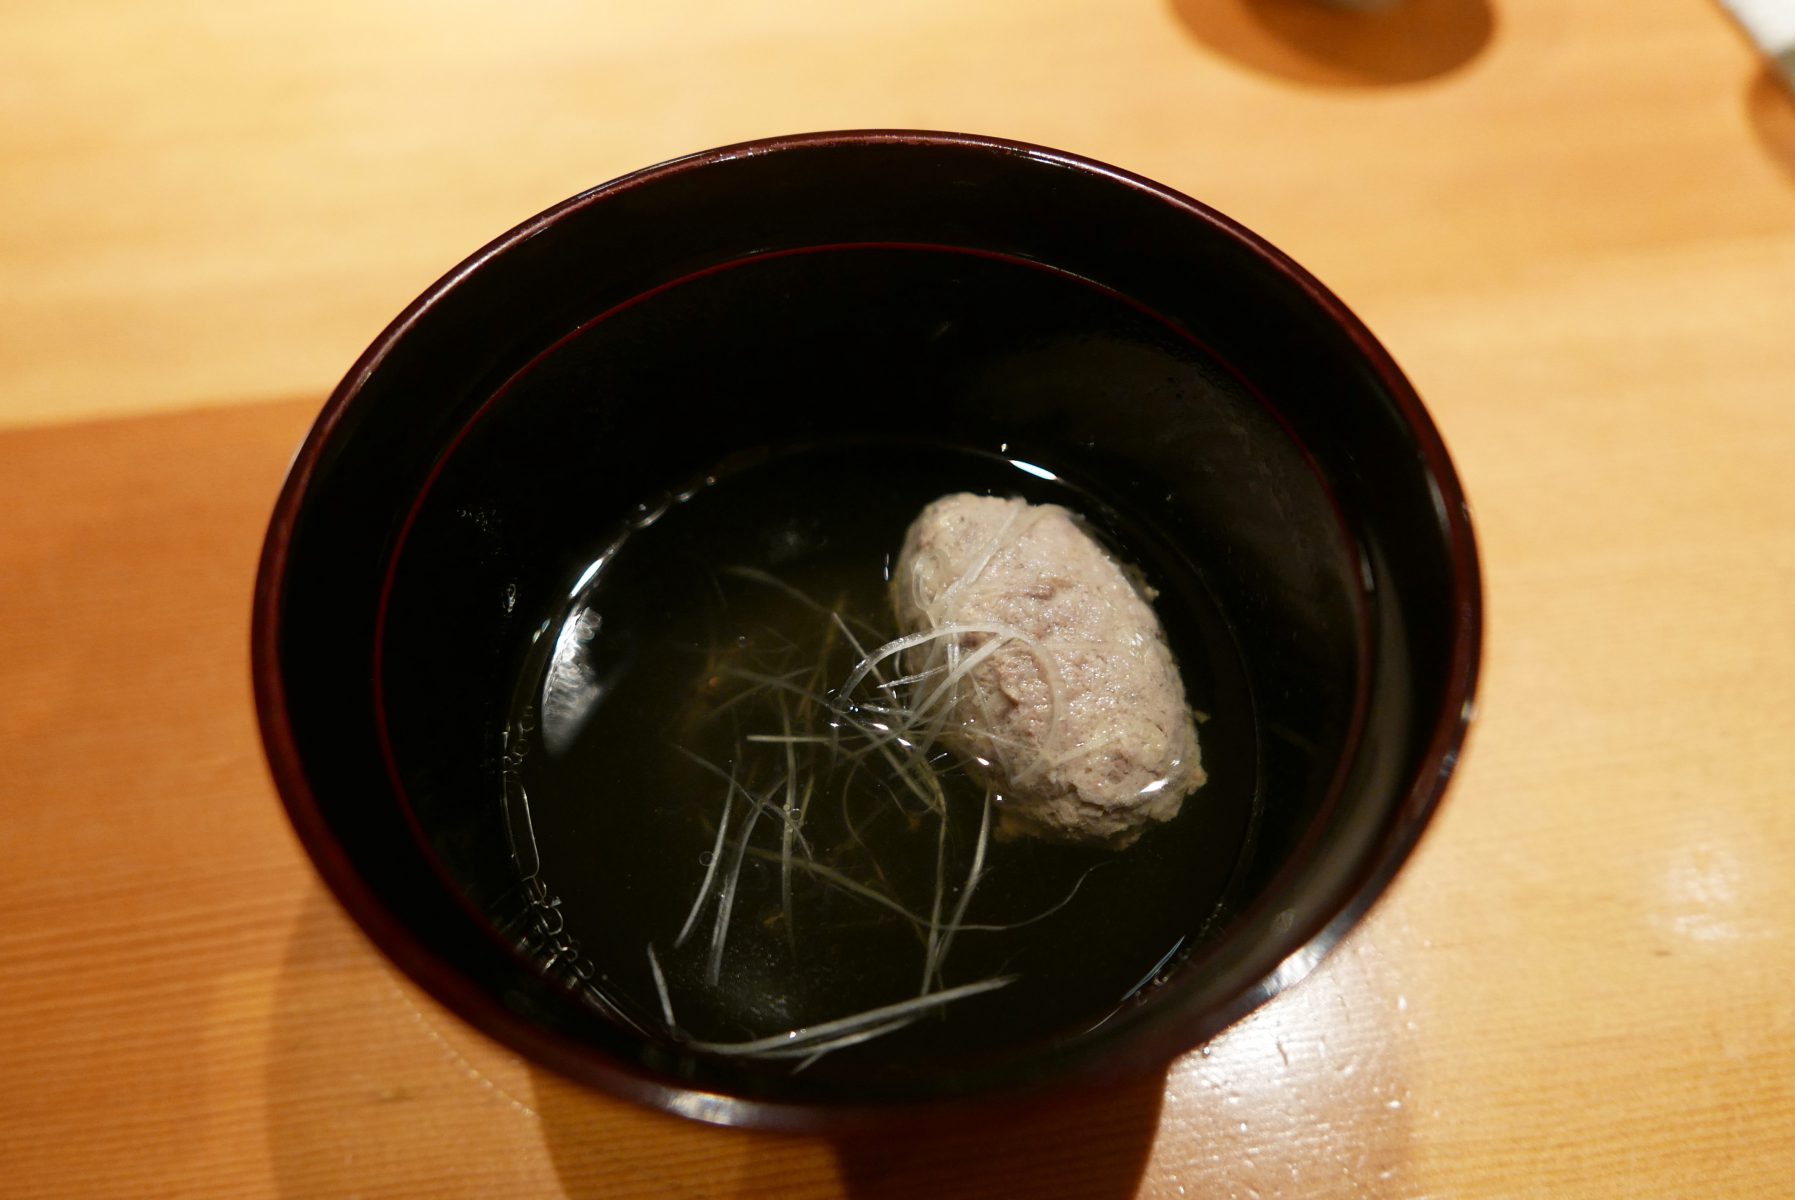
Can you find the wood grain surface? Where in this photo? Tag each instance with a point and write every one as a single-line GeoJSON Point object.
{"type": "Point", "coordinates": [1573, 221]}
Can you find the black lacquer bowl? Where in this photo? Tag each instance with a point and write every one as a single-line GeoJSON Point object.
{"type": "Point", "coordinates": [823, 289]}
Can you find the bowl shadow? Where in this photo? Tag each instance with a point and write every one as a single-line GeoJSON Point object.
{"type": "Point", "coordinates": [1770, 106]}
{"type": "Point", "coordinates": [1092, 1146]}
{"type": "Point", "coordinates": [1327, 45]}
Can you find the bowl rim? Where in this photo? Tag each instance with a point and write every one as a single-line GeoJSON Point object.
{"type": "Point", "coordinates": [1403, 828]}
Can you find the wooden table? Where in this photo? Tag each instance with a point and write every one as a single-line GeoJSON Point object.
{"type": "Point", "coordinates": [1572, 220]}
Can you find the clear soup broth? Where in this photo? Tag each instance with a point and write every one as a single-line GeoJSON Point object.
{"type": "Point", "coordinates": [696, 843]}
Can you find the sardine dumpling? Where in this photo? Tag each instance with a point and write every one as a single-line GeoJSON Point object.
{"type": "Point", "coordinates": [1078, 720]}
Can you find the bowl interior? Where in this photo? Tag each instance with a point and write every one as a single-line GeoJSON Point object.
{"type": "Point", "coordinates": [885, 318]}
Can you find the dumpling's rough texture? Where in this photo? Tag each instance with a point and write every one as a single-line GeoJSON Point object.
{"type": "Point", "coordinates": [1122, 753]}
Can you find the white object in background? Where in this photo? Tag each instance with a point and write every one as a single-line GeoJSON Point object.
{"type": "Point", "coordinates": [1771, 24]}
